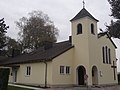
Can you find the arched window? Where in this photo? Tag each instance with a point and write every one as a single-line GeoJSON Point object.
{"type": "Point", "coordinates": [106, 49]}
{"type": "Point", "coordinates": [103, 52]}
{"type": "Point", "coordinates": [109, 54]}
{"type": "Point", "coordinates": [106, 55]}
{"type": "Point", "coordinates": [92, 29]}
{"type": "Point", "coordinates": [79, 29]}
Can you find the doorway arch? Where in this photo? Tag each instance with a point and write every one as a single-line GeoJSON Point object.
{"type": "Point", "coordinates": [81, 71]}
{"type": "Point", "coordinates": [94, 75]}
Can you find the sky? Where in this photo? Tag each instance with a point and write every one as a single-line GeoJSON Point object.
{"type": "Point", "coordinates": [59, 11]}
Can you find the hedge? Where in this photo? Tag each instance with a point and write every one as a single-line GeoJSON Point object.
{"type": "Point", "coordinates": [4, 76]}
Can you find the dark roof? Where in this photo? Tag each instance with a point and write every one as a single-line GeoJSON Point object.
{"type": "Point", "coordinates": [3, 58]}
{"type": "Point", "coordinates": [40, 55]}
{"type": "Point", "coordinates": [83, 13]}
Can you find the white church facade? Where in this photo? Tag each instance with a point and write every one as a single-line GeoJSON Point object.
{"type": "Point", "coordinates": [87, 58]}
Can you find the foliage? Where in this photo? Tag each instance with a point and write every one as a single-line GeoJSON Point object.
{"type": "Point", "coordinates": [115, 8]}
{"type": "Point", "coordinates": [3, 29]}
{"type": "Point", "coordinates": [114, 28]}
{"type": "Point", "coordinates": [11, 45]}
{"type": "Point", "coordinates": [4, 76]}
{"type": "Point", "coordinates": [17, 88]}
{"type": "Point", "coordinates": [36, 29]}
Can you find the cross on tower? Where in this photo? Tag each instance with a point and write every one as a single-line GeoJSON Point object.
{"type": "Point", "coordinates": [83, 4]}
{"type": "Point", "coordinates": [114, 67]}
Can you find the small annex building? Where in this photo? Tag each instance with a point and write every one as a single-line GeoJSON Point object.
{"type": "Point", "coordinates": [85, 57]}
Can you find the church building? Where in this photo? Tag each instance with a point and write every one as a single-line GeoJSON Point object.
{"type": "Point", "coordinates": [87, 58]}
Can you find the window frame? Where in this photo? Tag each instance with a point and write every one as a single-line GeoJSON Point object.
{"type": "Point", "coordinates": [106, 54]}
{"type": "Point", "coordinates": [68, 70]}
{"type": "Point", "coordinates": [103, 54]}
{"type": "Point", "coordinates": [79, 28]}
{"type": "Point", "coordinates": [62, 69]}
{"type": "Point", "coordinates": [92, 29]}
{"type": "Point", "coordinates": [28, 70]}
{"type": "Point", "coordinates": [109, 55]}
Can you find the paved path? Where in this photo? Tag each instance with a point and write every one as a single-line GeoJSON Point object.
{"type": "Point", "coordinates": [22, 86]}
{"type": "Point", "coordinates": [116, 87]}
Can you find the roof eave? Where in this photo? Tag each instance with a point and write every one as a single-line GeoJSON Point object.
{"type": "Point", "coordinates": [83, 17]}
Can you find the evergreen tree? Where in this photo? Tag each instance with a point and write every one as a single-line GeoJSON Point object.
{"type": "Point", "coordinates": [114, 28]}
{"type": "Point", "coordinates": [3, 31]}
{"type": "Point", "coordinates": [115, 8]}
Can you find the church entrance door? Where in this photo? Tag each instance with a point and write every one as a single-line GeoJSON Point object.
{"type": "Point", "coordinates": [80, 74]}
{"type": "Point", "coordinates": [94, 75]}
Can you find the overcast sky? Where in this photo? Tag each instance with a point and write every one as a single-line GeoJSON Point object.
{"type": "Point", "coordinates": [59, 11]}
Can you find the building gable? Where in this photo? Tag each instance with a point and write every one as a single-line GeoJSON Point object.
{"type": "Point", "coordinates": [107, 37]}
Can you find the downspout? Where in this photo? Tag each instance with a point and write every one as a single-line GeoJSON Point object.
{"type": "Point", "coordinates": [45, 74]}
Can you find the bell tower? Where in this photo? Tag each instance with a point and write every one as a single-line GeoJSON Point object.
{"type": "Point", "coordinates": [84, 25]}
{"type": "Point", "coordinates": [84, 35]}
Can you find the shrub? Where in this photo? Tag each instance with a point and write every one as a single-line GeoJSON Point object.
{"type": "Point", "coordinates": [4, 76]}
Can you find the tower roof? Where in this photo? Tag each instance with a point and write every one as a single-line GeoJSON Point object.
{"type": "Point", "coordinates": [83, 13]}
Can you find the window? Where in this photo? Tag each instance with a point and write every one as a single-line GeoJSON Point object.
{"type": "Point", "coordinates": [61, 69]}
{"type": "Point", "coordinates": [106, 55]}
{"type": "Point", "coordinates": [103, 52]}
{"type": "Point", "coordinates": [106, 49]}
{"type": "Point", "coordinates": [67, 69]}
{"type": "Point", "coordinates": [79, 29]}
{"type": "Point", "coordinates": [92, 28]}
{"type": "Point", "coordinates": [109, 56]}
{"type": "Point", "coordinates": [28, 71]}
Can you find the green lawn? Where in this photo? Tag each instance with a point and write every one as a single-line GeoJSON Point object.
{"type": "Point", "coordinates": [16, 88]}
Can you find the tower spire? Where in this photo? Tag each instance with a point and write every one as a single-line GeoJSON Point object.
{"type": "Point", "coordinates": [83, 4]}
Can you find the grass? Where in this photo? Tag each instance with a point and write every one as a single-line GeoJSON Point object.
{"type": "Point", "coordinates": [17, 88]}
